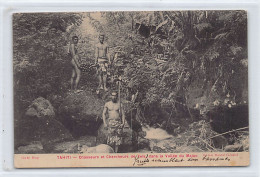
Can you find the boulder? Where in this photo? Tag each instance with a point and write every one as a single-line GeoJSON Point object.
{"type": "Point", "coordinates": [72, 146]}
{"type": "Point", "coordinates": [102, 135]}
{"type": "Point", "coordinates": [47, 131]}
{"type": "Point", "coordinates": [144, 151]}
{"type": "Point", "coordinates": [244, 140]}
{"type": "Point", "coordinates": [163, 146]}
{"type": "Point", "coordinates": [156, 133]}
{"type": "Point", "coordinates": [224, 119]}
{"type": "Point", "coordinates": [40, 108]}
{"type": "Point", "coordinates": [33, 148]}
{"type": "Point", "coordinates": [188, 149]}
{"type": "Point", "coordinates": [81, 113]}
{"type": "Point", "coordinates": [39, 124]}
{"type": "Point", "coordinates": [234, 148]}
{"type": "Point", "coordinates": [143, 144]}
{"type": "Point", "coordinates": [102, 148]}
{"type": "Point", "coordinates": [219, 142]}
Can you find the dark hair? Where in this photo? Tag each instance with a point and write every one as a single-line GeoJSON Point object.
{"type": "Point", "coordinates": [74, 37]}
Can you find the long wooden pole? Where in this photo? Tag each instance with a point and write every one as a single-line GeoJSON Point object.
{"type": "Point", "coordinates": [119, 96]}
{"type": "Point", "coordinates": [229, 132]}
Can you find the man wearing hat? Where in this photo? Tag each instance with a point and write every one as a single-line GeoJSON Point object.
{"type": "Point", "coordinates": [115, 121]}
{"type": "Point", "coordinates": [102, 60]}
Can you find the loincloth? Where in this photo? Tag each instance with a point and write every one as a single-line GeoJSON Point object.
{"type": "Point", "coordinates": [102, 66]}
{"type": "Point", "coordinates": [115, 132]}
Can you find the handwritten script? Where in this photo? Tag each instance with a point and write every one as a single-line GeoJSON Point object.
{"type": "Point", "coordinates": [145, 160]}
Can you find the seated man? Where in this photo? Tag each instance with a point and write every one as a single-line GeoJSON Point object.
{"type": "Point", "coordinates": [115, 122]}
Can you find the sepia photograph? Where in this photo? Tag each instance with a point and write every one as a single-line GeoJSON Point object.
{"type": "Point", "coordinates": [123, 82]}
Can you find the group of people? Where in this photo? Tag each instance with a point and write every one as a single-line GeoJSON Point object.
{"type": "Point", "coordinates": [115, 121]}
{"type": "Point", "coordinates": [102, 61]}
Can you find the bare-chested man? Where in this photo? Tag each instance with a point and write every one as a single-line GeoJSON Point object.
{"type": "Point", "coordinates": [102, 59]}
{"type": "Point", "coordinates": [115, 122]}
{"type": "Point", "coordinates": [75, 63]}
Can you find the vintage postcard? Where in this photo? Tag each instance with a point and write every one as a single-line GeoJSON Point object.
{"type": "Point", "coordinates": [130, 89]}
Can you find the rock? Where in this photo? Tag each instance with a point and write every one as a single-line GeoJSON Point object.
{"type": "Point", "coordinates": [194, 139]}
{"type": "Point", "coordinates": [40, 108]}
{"type": "Point", "coordinates": [55, 100]}
{"type": "Point", "coordinates": [244, 140]}
{"type": "Point", "coordinates": [188, 149]}
{"type": "Point", "coordinates": [156, 133]}
{"type": "Point", "coordinates": [234, 148]}
{"type": "Point", "coordinates": [39, 124]}
{"type": "Point", "coordinates": [173, 145]}
{"type": "Point", "coordinates": [163, 146]}
{"type": "Point", "coordinates": [141, 134]}
{"type": "Point", "coordinates": [219, 142]}
{"type": "Point", "coordinates": [224, 119]}
{"type": "Point", "coordinates": [33, 148]}
{"type": "Point", "coordinates": [47, 131]}
{"type": "Point", "coordinates": [81, 113]}
{"type": "Point", "coordinates": [102, 135]}
{"type": "Point", "coordinates": [73, 146]}
{"type": "Point", "coordinates": [143, 151]}
{"type": "Point", "coordinates": [102, 148]}
{"type": "Point", "coordinates": [129, 138]}
{"type": "Point", "coordinates": [143, 144]}
{"type": "Point", "coordinates": [159, 140]}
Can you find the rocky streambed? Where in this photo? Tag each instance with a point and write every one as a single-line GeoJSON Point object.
{"type": "Point", "coordinates": [77, 123]}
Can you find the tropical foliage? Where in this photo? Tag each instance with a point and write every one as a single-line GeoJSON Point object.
{"type": "Point", "coordinates": [169, 61]}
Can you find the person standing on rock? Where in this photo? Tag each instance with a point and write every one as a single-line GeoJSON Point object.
{"type": "Point", "coordinates": [73, 51]}
{"type": "Point", "coordinates": [102, 60]}
{"type": "Point", "coordinates": [115, 122]}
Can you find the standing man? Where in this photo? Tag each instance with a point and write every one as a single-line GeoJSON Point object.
{"type": "Point", "coordinates": [115, 122]}
{"type": "Point", "coordinates": [73, 51]}
{"type": "Point", "coordinates": [102, 59]}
